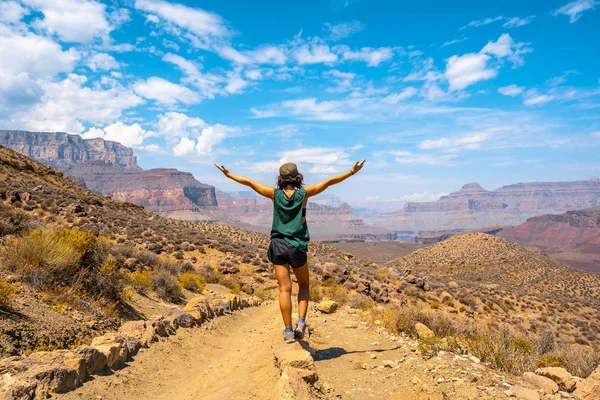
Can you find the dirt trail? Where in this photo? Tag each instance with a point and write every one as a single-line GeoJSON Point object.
{"type": "Point", "coordinates": [231, 358]}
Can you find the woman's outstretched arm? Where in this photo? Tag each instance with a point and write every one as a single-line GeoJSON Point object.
{"type": "Point", "coordinates": [257, 187]}
{"type": "Point", "coordinates": [320, 187]}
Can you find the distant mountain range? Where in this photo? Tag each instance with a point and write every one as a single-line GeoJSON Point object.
{"type": "Point", "coordinates": [473, 207]}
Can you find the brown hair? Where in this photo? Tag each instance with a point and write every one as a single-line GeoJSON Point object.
{"type": "Point", "coordinates": [296, 181]}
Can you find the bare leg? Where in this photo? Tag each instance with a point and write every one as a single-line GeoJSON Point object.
{"type": "Point", "coordinates": [285, 292]}
{"type": "Point", "coordinates": [303, 289]}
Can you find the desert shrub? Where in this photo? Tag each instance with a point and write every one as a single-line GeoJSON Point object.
{"type": "Point", "coordinates": [186, 266]}
{"type": "Point", "coordinates": [110, 281]}
{"type": "Point", "coordinates": [235, 288]}
{"type": "Point", "coordinates": [315, 293]}
{"type": "Point", "coordinates": [44, 257]}
{"type": "Point", "coordinates": [361, 302]}
{"type": "Point", "coordinates": [142, 281]}
{"type": "Point", "coordinates": [166, 286]}
{"type": "Point", "coordinates": [578, 360]}
{"type": "Point", "coordinates": [7, 290]}
{"type": "Point", "coordinates": [13, 221]}
{"type": "Point", "coordinates": [503, 349]}
{"type": "Point", "coordinates": [192, 282]}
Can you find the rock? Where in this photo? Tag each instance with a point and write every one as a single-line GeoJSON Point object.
{"type": "Point", "coordinates": [131, 263]}
{"type": "Point", "coordinates": [522, 393]}
{"type": "Point", "coordinates": [291, 386]}
{"type": "Point", "coordinates": [541, 382]}
{"type": "Point", "coordinates": [200, 309]}
{"type": "Point", "coordinates": [65, 357]}
{"type": "Point", "coordinates": [129, 345]}
{"type": "Point", "coordinates": [178, 318]}
{"type": "Point", "coordinates": [219, 307]}
{"type": "Point", "coordinates": [327, 306]}
{"type": "Point", "coordinates": [52, 378]}
{"type": "Point", "coordinates": [233, 302]}
{"type": "Point", "coordinates": [112, 352]}
{"type": "Point", "coordinates": [161, 326]}
{"type": "Point", "coordinates": [475, 359]}
{"type": "Point", "coordinates": [12, 388]}
{"type": "Point", "coordinates": [284, 357]}
{"type": "Point", "coordinates": [139, 329]}
{"type": "Point", "coordinates": [333, 271]}
{"type": "Point", "coordinates": [452, 284]}
{"type": "Point", "coordinates": [559, 375]}
{"type": "Point", "coordinates": [423, 331]}
{"type": "Point", "coordinates": [95, 360]}
{"type": "Point", "coordinates": [587, 389]}
{"type": "Point", "coordinates": [445, 296]}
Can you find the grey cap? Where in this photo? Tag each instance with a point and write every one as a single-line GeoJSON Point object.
{"type": "Point", "coordinates": [288, 171]}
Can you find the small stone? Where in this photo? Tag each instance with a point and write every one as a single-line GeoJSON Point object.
{"type": "Point", "coordinates": [475, 359]}
{"type": "Point", "coordinates": [327, 306]}
{"type": "Point", "coordinates": [375, 343]}
{"type": "Point", "coordinates": [423, 331]}
{"type": "Point", "coordinates": [522, 393]}
{"type": "Point", "coordinates": [541, 382]}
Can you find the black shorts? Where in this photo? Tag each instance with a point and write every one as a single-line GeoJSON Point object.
{"type": "Point", "coordinates": [281, 252]}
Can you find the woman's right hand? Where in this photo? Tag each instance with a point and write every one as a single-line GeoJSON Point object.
{"type": "Point", "coordinates": [357, 166]}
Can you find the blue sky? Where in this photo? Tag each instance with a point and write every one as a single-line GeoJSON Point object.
{"type": "Point", "coordinates": [434, 94]}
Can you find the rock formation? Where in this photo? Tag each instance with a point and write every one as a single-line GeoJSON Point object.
{"type": "Point", "coordinates": [473, 207]}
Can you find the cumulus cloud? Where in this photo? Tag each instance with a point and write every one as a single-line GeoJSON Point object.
{"type": "Point", "coordinates": [128, 135]}
{"type": "Point", "coordinates": [102, 61]}
{"type": "Point", "coordinates": [176, 125]}
{"type": "Point", "coordinates": [344, 29]}
{"type": "Point", "coordinates": [511, 90]}
{"type": "Point", "coordinates": [165, 92]}
{"type": "Point", "coordinates": [184, 147]}
{"type": "Point", "coordinates": [12, 12]}
{"type": "Point", "coordinates": [80, 21]}
{"type": "Point", "coordinates": [505, 46]}
{"type": "Point", "coordinates": [575, 9]}
{"type": "Point", "coordinates": [463, 71]}
{"type": "Point", "coordinates": [314, 54]}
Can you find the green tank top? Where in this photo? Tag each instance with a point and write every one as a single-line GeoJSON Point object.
{"type": "Point", "coordinates": [287, 218]}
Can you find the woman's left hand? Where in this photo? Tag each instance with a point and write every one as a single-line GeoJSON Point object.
{"type": "Point", "coordinates": [357, 166]}
{"type": "Point", "coordinates": [222, 168]}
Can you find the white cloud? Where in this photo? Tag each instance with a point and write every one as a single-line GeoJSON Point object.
{"type": "Point", "coordinates": [344, 81]}
{"type": "Point", "coordinates": [424, 70]}
{"type": "Point", "coordinates": [208, 84]}
{"type": "Point", "coordinates": [127, 135]}
{"type": "Point", "coordinates": [320, 111]}
{"type": "Point", "coordinates": [463, 71]}
{"type": "Point", "coordinates": [102, 61]}
{"type": "Point", "coordinates": [265, 166]}
{"type": "Point", "coordinates": [517, 22]}
{"type": "Point", "coordinates": [212, 136]}
{"type": "Point", "coordinates": [373, 57]}
{"type": "Point", "coordinates": [533, 98]}
{"type": "Point", "coordinates": [454, 41]}
{"type": "Point", "coordinates": [12, 12]}
{"type": "Point", "coordinates": [575, 9]}
{"type": "Point", "coordinates": [268, 55]}
{"type": "Point", "coordinates": [80, 21]}
{"type": "Point", "coordinates": [66, 103]}
{"type": "Point", "coordinates": [229, 53]}
{"type": "Point", "coordinates": [408, 158]}
{"type": "Point", "coordinates": [506, 47]}
{"type": "Point", "coordinates": [206, 27]}
{"type": "Point", "coordinates": [37, 56]}
{"type": "Point", "coordinates": [235, 83]}
{"type": "Point", "coordinates": [176, 125]}
{"type": "Point", "coordinates": [425, 196]}
{"type": "Point", "coordinates": [511, 90]}
{"type": "Point", "coordinates": [482, 22]}
{"type": "Point", "coordinates": [165, 92]}
{"type": "Point", "coordinates": [184, 147]}
{"type": "Point", "coordinates": [405, 94]}
{"type": "Point", "coordinates": [318, 156]}
{"type": "Point", "coordinates": [343, 30]}
{"type": "Point", "coordinates": [314, 54]}
{"type": "Point", "coordinates": [467, 142]}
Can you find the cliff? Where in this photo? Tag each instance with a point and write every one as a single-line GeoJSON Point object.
{"type": "Point", "coordinates": [61, 150]}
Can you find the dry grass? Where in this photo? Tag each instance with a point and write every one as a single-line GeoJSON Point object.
{"type": "Point", "coordinates": [192, 282]}
{"type": "Point", "coordinates": [7, 290]}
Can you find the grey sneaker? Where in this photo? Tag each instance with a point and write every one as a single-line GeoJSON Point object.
{"type": "Point", "coordinates": [289, 336]}
{"type": "Point", "coordinates": [300, 330]}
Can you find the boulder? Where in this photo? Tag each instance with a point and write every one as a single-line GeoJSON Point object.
{"type": "Point", "coordinates": [95, 360]}
{"type": "Point", "coordinates": [161, 326]}
{"type": "Point", "coordinates": [139, 329]}
{"type": "Point", "coordinates": [333, 271]}
{"type": "Point", "coordinates": [327, 306]}
{"type": "Point", "coordinates": [199, 308]}
{"type": "Point", "coordinates": [65, 357]}
{"type": "Point", "coordinates": [112, 352]}
{"type": "Point", "coordinates": [219, 307]}
{"type": "Point", "coordinates": [541, 382]}
{"type": "Point", "coordinates": [563, 379]}
{"type": "Point", "coordinates": [522, 393]}
{"type": "Point", "coordinates": [587, 389]}
{"type": "Point", "coordinates": [178, 318]}
{"type": "Point", "coordinates": [130, 345]}
{"type": "Point", "coordinates": [52, 378]}
{"type": "Point", "coordinates": [233, 302]}
{"type": "Point", "coordinates": [423, 331]}
{"type": "Point", "coordinates": [300, 359]}
{"type": "Point", "coordinates": [452, 284]}
{"type": "Point", "coordinates": [12, 388]}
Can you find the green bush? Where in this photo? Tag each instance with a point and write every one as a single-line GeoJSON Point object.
{"type": "Point", "coordinates": [166, 286]}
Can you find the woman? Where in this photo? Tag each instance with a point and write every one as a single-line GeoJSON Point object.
{"type": "Point", "coordinates": [289, 235]}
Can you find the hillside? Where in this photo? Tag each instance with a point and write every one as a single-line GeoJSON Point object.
{"type": "Point", "coordinates": [473, 207]}
{"type": "Point", "coordinates": [572, 237]}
